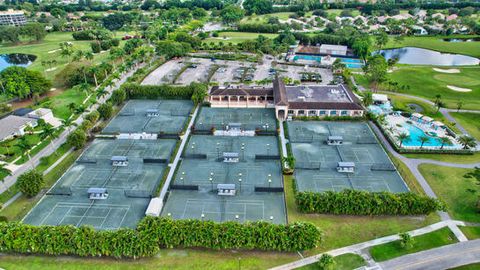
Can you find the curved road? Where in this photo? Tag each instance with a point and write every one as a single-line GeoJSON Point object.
{"type": "Point", "coordinates": [445, 257]}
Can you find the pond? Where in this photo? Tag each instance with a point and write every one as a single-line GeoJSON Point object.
{"type": "Point", "coordinates": [475, 39]}
{"type": "Point", "coordinates": [418, 56]}
{"type": "Point", "coordinates": [16, 59]}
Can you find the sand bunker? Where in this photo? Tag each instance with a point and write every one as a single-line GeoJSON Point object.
{"type": "Point", "coordinates": [451, 71]}
{"type": "Point", "coordinates": [54, 51]}
{"type": "Point", "coordinates": [458, 89]}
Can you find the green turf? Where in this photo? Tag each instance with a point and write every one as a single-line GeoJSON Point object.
{"type": "Point", "coordinates": [427, 83]}
{"type": "Point", "coordinates": [471, 232]}
{"type": "Point", "coordinates": [474, 266]}
{"type": "Point", "coordinates": [470, 121]}
{"type": "Point", "coordinates": [50, 44]}
{"type": "Point", "coordinates": [264, 18]}
{"type": "Point", "coordinates": [436, 43]}
{"type": "Point", "coordinates": [165, 259]}
{"type": "Point", "coordinates": [460, 159]}
{"type": "Point", "coordinates": [449, 184]}
{"type": "Point", "coordinates": [236, 37]}
{"type": "Point", "coordinates": [340, 231]}
{"type": "Point", "coordinates": [426, 241]}
{"type": "Point", "coordinates": [347, 261]}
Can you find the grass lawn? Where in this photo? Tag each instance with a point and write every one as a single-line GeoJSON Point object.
{"type": "Point", "coordinates": [426, 241]}
{"type": "Point", "coordinates": [470, 121]}
{"type": "Point", "coordinates": [436, 43]}
{"type": "Point", "coordinates": [347, 261]}
{"type": "Point", "coordinates": [427, 83]}
{"type": "Point", "coordinates": [165, 259]}
{"type": "Point", "coordinates": [10, 149]}
{"type": "Point", "coordinates": [264, 18]}
{"type": "Point", "coordinates": [471, 232]}
{"type": "Point", "coordinates": [474, 266]}
{"type": "Point", "coordinates": [460, 159]}
{"type": "Point", "coordinates": [48, 50]}
{"type": "Point", "coordinates": [342, 231]}
{"type": "Point", "coordinates": [59, 103]}
{"type": "Point", "coordinates": [236, 37]}
{"type": "Point", "coordinates": [449, 184]}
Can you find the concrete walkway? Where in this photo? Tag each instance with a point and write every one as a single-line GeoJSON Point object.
{"type": "Point", "coordinates": [445, 257]}
{"type": "Point", "coordinates": [174, 165]}
{"type": "Point", "coordinates": [48, 150]}
{"type": "Point", "coordinates": [357, 248]}
{"type": "Point", "coordinates": [283, 140]}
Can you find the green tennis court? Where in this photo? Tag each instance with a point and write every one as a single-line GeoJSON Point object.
{"type": "Point", "coordinates": [151, 116]}
{"type": "Point", "coordinates": [129, 187]}
{"type": "Point", "coordinates": [317, 162]}
{"type": "Point", "coordinates": [250, 119]}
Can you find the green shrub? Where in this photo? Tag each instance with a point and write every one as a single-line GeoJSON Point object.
{"type": "Point", "coordinates": [96, 48]}
{"type": "Point", "coordinates": [134, 90]}
{"type": "Point", "coordinates": [105, 111]}
{"type": "Point", "coordinates": [30, 183]}
{"type": "Point", "coordinates": [77, 139]}
{"type": "Point", "coordinates": [358, 202]}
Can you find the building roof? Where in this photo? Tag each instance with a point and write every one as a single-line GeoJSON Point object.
{"type": "Point", "coordinates": [217, 91]}
{"type": "Point", "coordinates": [335, 138]}
{"type": "Point", "coordinates": [346, 164]}
{"type": "Point", "coordinates": [332, 47]}
{"type": "Point", "coordinates": [12, 124]}
{"type": "Point", "coordinates": [22, 111]}
{"type": "Point", "coordinates": [119, 158]}
{"type": "Point", "coordinates": [380, 97]}
{"type": "Point", "coordinates": [279, 92]}
{"type": "Point", "coordinates": [226, 186]}
{"type": "Point", "coordinates": [41, 112]}
{"type": "Point", "coordinates": [97, 190]}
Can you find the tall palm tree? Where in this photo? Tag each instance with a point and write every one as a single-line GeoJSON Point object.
{"type": "Point", "coordinates": [403, 137]}
{"type": "Point", "coordinates": [381, 119]}
{"type": "Point", "coordinates": [25, 146]}
{"type": "Point", "coordinates": [88, 55]}
{"type": "Point", "coordinates": [78, 55]}
{"type": "Point", "coordinates": [94, 70]}
{"type": "Point", "coordinates": [467, 142]}
{"type": "Point", "coordinates": [423, 139]}
{"type": "Point", "coordinates": [72, 106]}
{"type": "Point", "coordinates": [67, 123]}
{"type": "Point", "coordinates": [444, 141]}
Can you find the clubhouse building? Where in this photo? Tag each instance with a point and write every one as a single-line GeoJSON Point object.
{"type": "Point", "coordinates": [290, 101]}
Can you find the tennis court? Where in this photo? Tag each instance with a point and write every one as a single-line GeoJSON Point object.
{"type": "Point", "coordinates": [250, 119]}
{"type": "Point", "coordinates": [249, 166]}
{"type": "Point", "coordinates": [129, 187]}
{"type": "Point", "coordinates": [317, 162]}
{"type": "Point", "coordinates": [151, 116]}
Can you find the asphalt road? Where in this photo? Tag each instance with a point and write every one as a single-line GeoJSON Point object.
{"type": "Point", "coordinates": [445, 257]}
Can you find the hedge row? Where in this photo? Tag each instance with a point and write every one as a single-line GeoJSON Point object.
{"type": "Point", "coordinates": [137, 91]}
{"type": "Point", "coordinates": [152, 234]}
{"type": "Point", "coordinates": [357, 202]}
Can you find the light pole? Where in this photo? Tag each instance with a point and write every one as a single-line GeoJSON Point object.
{"type": "Point", "coordinates": [240, 182]}
{"type": "Point", "coordinates": [211, 182]}
{"type": "Point", "coordinates": [269, 182]}
{"type": "Point", "coordinates": [218, 150]}
{"type": "Point", "coordinates": [268, 149]}
{"type": "Point", "coordinates": [202, 216]}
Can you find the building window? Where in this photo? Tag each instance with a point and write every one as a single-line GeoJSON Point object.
{"type": "Point", "coordinates": [333, 112]}
{"type": "Point", "coordinates": [312, 113]}
{"type": "Point", "coordinates": [344, 113]}
{"type": "Point", "coordinates": [291, 112]}
{"type": "Point", "coordinates": [301, 112]}
{"type": "Point", "coordinates": [323, 112]}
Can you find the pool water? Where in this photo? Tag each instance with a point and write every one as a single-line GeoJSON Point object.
{"type": "Point", "coordinates": [380, 109]}
{"type": "Point", "coordinates": [348, 62]}
{"type": "Point", "coordinates": [416, 133]}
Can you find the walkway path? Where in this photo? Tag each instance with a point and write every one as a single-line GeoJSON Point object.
{"type": "Point", "coordinates": [35, 160]}
{"type": "Point", "coordinates": [174, 165]}
{"type": "Point", "coordinates": [445, 257]}
{"type": "Point", "coordinates": [357, 248]}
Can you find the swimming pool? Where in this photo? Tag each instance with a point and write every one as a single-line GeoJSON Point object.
{"type": "Point", "coordinates": [349, 62]}
{"type": "Point", "coordinates": [416, 133]}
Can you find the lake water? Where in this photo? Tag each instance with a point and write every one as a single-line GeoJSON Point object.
{"type": "Point", "coordinates": [16, 59]}
{"type": "Point", "coordinates": [418, 56]}
{"type": "Point", "coordinates": [475, 39]}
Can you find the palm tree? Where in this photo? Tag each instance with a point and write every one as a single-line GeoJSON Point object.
{"type": "Point", "coordinates": [78, 55]}
{"type": "Point", "coordinates": [72, 106]}
{"type": "Point", "coordinates": [367, 99]}
{"type": "Point", "coordinates": [423, 139]}
{"type": "Point", "coordinates": [459, 105]}
{"type": "Point", "coordinates": [94, 70]}
{"type": "Point", "coordinates": [444, 141]}
{"type": "Point", "coordinates": [381, 119]}
{"type": "Point", "coordinates": [467, 142]}
{"type": "Point", "coordinates": [403, 137]}
{"type": "Point", "coordinates": [88, 55]}
{"type": "Point", "coordinates": [24, 146]}
{"type": "Point", "coordinates": [5, 171]}
{"type": "Point", "coordinates": [105, 67]}
{"type": "Point", "coordinates": [68, 123]}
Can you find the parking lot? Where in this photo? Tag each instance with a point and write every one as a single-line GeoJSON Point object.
{"type": "Point", "coordinates": [192, 69]}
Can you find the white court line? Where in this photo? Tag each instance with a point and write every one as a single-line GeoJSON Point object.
{"type": "Point", "coordinates": [81, 219]}
{"type": "Point", "coordinates": [124, 215]}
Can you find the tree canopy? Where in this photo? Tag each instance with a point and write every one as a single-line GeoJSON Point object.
{"type": "Point", "coordinates": [21, 82]}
